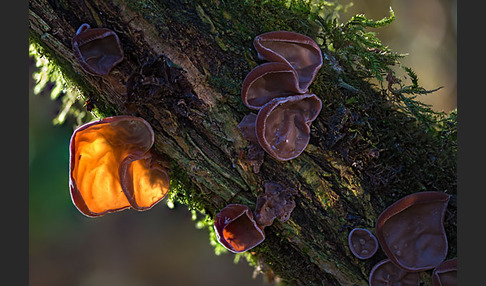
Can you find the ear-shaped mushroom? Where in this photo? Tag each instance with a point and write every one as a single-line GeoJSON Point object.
{"type": "Point", "coordinates": [362, 243]}
{"type": "Point", "coordinates": [97, 50]}
{"type": "Point", "coordinates": [236, 229]}
{"type": "Point", "coordinates": [111, 167]}
{"type": "Point", "coordinates": [283, 125]}
{"type": "Point", "coordinates": [297, 50]}
{"type": "Point", "coordinates": [276, 202]}
{"type": "Point", "coordinates": [268, 81]}
{"type": "Point", "coordinates": [445, 274]}
{"type": "Point", "coordinates": [145, 182]}
{"type": "Point", "coordinates": [411, 231]}
{"type": "Point", "coordinates": [387, 273]}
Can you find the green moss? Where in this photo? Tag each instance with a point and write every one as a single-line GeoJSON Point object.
{"type": "Point", "coordinates": [49, 73]}
{"type": "Point", "coordinates": [68, 85]}
{"type": "Point", "coordinates": [354, 57]}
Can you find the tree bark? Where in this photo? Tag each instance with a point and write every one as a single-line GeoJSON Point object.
{"type": "Point", "coordinates": [363, 154]}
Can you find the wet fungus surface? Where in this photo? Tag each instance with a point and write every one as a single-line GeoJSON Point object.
{"type": "Point", "coordinates": [236, 229]}
{"type": "Point", "coordinates": [97, 50]}
{"type": "Point", "coordinates": [268, 81]}
{"type": "Point", "coordinates": [299, 51]}
{"type": "Point", "coordinates": [278, 89]}
{"type": "Point", "coordinates": [387, 273]}
{"type": "Point", "coordinates": [445, 274]}
{"type": "Point", "coordinates": [112, 166]}
{"type": "Point", "coordinates": [362, 243]}
{"type": "Point", "coordinates": [283, 125]}
{"type": "Point", "coordinates": [411, 231]}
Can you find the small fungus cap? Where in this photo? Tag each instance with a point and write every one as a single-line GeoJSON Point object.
{"type": "Point", "coordinates": [236, 229]}
{"type": "Point", "coordinates": [268, 81]}
{"type": "Point", "coordinates": [445, 274]}
{"type": "Point", "coordinates": [111, 167]}
{"type": "Point", "coordinates": [283, 125]}
{"type": "Point", "coordinates": [411, 231]}
{"type": "Point", "coordinates": [387, 273]}
{"type": "Point", "coordinates": [97, 50]}
{"type": "Point", "coordinates": [297, 50]}
{"type": "Point", "coordinates": [362, 243]}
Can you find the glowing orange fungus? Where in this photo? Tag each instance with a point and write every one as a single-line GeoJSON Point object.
{"type": "Point", "coordinates": [112, 166]}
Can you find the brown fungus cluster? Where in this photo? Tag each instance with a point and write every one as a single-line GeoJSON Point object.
{"type": "Point", "coordinates": [238, 229]}
{"type": "Point", "coordinates": [412, 235]}
{"type": "Point", "coordinates": [278, 89]}
{"type": "Point", "coordinates": [112, 166]}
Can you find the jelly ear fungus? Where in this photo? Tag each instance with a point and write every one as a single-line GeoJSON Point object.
{"type": "Point", "coordinates": [276, 202]}
{"type": "Point", "coordinates": [445, 274]}
{"type": "Point", "coordinates": [362, 243]}
{"type": "Point", "coordinates": [386, 272]}
{"type": "Point", "coordinates": [298, 51]}
{"type": "Point", "coordinates": [411, 231]}
{"type": "Point", "coordinates": [97, 50]}
{"type": "Point", "coordinates": [112, 166]}
{"type": "Point", "coordinates": [236, 229]}
{"type": "Point", "coordinates": [268, 81]}
{"type": "Point", "coordinates": [283, 125]}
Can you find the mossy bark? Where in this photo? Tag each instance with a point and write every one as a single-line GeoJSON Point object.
{"type": "Point", "coordinates": [364, 153]}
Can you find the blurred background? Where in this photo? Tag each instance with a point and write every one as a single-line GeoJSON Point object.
{"type": "Point", "coordinates": [162, 246]}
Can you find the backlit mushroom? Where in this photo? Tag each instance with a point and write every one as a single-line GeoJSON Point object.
{"type": "Point", "coordinates": [283, 125]}
{"type": "Point", "coordinates": [236, 228]}
{"type": "Point", "coordinates": [297, 50]}
{"type": "Point", "coordinates": [268, 81]}
{"type": "Point", "coordinates": [362, 243]}
{"type": "Point", "coordinates": [387, 273]}
{"type": "Point", "coordinates": [112, 167]}
{"type": "Point", "coordinates": [97, 50]}
{"type": "Point", "coordinates": [411, 231]}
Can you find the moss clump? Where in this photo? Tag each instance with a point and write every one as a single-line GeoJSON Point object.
{"type": "Point", "coordinates": [49, 74]}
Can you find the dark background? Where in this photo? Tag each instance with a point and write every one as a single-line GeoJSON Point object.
{"type": "Point", "coordinates": [162, 246]}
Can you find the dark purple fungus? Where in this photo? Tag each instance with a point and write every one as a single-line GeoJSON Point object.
{"type": "Point", "coordinates": [363, 243]}
{"type": "Point", "coordinates": [387, 273]}
{"type": "Point", "coordinates": [247, 127]}
{"type": "Point", "coordinates": [268, 81]}
{"type": "Point", "coordinates": [411, 231]}
{"type": "Point", "coordinates": [255, 154]}
{"type": "Point", "coordinates": [276, 202]}
{"type": "Point", "coordinates": [97, 50]}
{"type": "Point", "coordinates": [445, 274]}
{"type": "Point", "coordinates": [294, 49]}
{"type": "Point", "coordinates": [236, 229]}
{"type": "Point", "coordinates": [283, 125]}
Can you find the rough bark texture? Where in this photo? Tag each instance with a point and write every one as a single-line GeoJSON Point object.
{"type": "Point", "coordinates": [363, 155]}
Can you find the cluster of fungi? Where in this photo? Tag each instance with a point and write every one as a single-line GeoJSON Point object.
{"type": "Point", "coordinates": [412, 235]}
{"type": "Point", "coordinates": [278, 89]}
{"type": "Point", "coordinates": [113, 166]}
